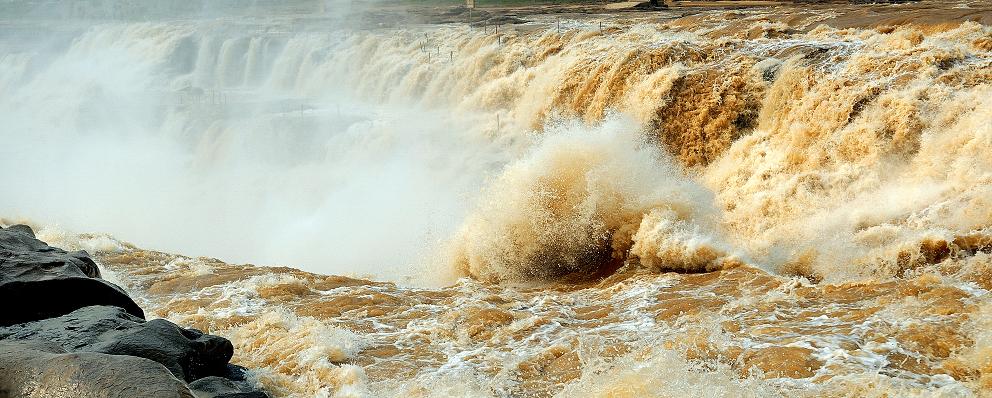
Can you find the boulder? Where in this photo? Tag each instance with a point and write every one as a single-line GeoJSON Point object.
{"type": "Point", "coordinates": [36, 369]}
{"type": "Point", "coordinates": [31, 272]}
{"type": "Point", "coordinates": [188, 353]}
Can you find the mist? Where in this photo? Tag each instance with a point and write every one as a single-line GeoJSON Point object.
{"type": "Point", "coordinates": [244, 142]}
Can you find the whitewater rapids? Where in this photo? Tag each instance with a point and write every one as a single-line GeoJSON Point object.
{"type": "Point", "coordinates": [770, 206]}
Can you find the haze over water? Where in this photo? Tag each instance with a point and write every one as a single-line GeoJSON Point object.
{"type": "Point", "coordinates": [753, 202]}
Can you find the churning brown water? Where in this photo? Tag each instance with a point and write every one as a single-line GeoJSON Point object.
{"type": "Point", "coordinates": [758, 202]}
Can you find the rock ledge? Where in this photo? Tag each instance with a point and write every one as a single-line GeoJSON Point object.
{"type": "Point", "coordinates": [65, 332]}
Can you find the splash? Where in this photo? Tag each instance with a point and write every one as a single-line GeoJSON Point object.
{"type": "Point", "coordinates": [583, 198]}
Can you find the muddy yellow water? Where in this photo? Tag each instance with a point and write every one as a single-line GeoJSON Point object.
{"type": "Point", "coordinates": [739, 331]}
{"type": "Point", "coordinates": [755, 202]}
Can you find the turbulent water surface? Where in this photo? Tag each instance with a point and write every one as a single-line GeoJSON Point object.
{"type": "Point", "coordinates": [755, 202]}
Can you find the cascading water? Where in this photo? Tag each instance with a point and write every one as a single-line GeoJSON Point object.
{"type": "Point", "coordinates": [237, 143]}
{"type": "Point", "coordinates": [738, 203]}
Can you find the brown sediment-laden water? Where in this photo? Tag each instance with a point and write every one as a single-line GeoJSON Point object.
{"type": "Point", "coordinates": [749, 202]}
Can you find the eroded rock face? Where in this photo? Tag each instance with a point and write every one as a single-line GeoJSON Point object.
{"type": "Point", "coordinates": [30, 271]}
{"type": "Point", "coordinates": [65, 332]}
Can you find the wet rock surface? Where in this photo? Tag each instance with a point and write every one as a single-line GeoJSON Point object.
{"type": "Point", "coordinates": [188, 353]}
{"type": "Point", "coordinates": [72, 334]}
{"type": "Point", "coordinates": [41, 369]}
{"type": "Point", "coordinates": [30, 271]}
{"type": "Point", "coordinates": [219, 387]}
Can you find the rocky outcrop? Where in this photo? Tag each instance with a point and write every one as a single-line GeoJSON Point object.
{"type": "Point", "coordinates": [187, 353]}
{"type": "Point", "coordinates": [40, 369]}
{"type": "Point", "coordinates": [65, 332]}
{"type": "Point", "coordinates": [47, 282]}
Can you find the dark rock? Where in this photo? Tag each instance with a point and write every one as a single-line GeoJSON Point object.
{"type": "Point", "coordinates": [22, 229]}
{"type": "Point", "coordinates": [219, 387]}
{"type": "Point", "coordinates": [651, 5]}
{"type": "Point", "coordinates": [188, 353]}
{"type": "Point", "coordinates": [253, 394]}
{"type": "Point", "coordinates": [35, 369]}
{"type": "Point", "coordinates": [236, 373]}
{"type": "Point", "coordinates": [213, 386]}
{"type": "Point", "coordinates": [64, 332]}
{"type": "Point", "coordinates": [48, 282]}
